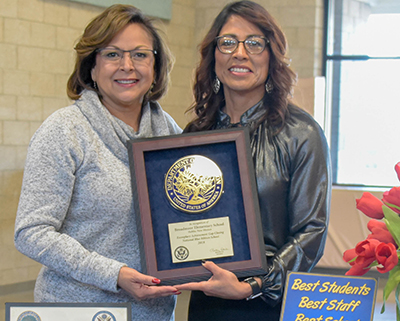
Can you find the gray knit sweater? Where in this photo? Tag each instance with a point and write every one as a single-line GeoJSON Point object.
{"type": "Point", "coordinates": [75, 214]}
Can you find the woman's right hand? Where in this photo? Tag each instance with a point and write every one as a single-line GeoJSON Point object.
{"type": "Point", "coordinates": [142, 286]}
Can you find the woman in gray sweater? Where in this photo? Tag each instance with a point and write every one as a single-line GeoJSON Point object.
{"type": "Point", "coordinates": [75, 214]}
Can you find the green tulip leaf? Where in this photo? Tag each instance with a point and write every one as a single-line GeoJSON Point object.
{"type": "Point", "coordinates": [397, 303]}
{"type": "Point", "coordinates": [392, 282]}
{"type": "Point", "coordinates": [392, 221]}
{"type": "Point", "coordinates": [392, 205]}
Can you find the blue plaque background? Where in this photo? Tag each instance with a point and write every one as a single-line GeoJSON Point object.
{"type": "Point", "coordinates": [230, 204]}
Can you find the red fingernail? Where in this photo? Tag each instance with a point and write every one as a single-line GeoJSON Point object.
{"type": "Point", "coordinates": [157, 281]}
{"type": "Point", "coordinates": [177, 292]}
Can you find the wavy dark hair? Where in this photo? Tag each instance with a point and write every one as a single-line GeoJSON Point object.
{"type": "Point", "coordinates": [207, 103]}
{"type": "Point", "coordinates": [99, 33]}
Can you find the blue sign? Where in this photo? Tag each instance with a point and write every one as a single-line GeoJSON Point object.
{"type": "Point", "coordinates": [318, 297]}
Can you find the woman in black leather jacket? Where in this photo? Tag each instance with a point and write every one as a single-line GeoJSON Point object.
{"type": "Point", "coordinates": [243, 79]}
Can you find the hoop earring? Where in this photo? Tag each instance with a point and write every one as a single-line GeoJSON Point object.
{"type": "Point", "coordinates": [269, 87]}
{"type": "Point", "coordinates": [216, 85]}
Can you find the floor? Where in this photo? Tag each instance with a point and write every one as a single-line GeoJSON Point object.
{"type": "Point", "coordinates": [181, 311]}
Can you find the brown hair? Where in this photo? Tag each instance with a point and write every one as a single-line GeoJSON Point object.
{"type": "Point", "coordinates": [207, 103]}
{"type": "Point", "coordinates": [99, 32]}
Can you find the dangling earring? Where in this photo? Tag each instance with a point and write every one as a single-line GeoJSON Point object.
{"type": "Point", "coordinates": [216, 85]}
{"type": "Point", "coordinates": [95, 85]}
{"type": "Point", "coordinates": [151, 88]}
{"type": "Point", "coordinates": [269, 86]}
{"type": "Point", "coordinates": [150, 91]}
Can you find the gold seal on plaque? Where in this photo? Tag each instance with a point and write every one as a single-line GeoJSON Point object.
{"type": "Point", "coordinates": [194, 184]}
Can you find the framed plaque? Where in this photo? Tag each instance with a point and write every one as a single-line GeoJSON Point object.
{"type": "Point", "coordinates": [196, 199]}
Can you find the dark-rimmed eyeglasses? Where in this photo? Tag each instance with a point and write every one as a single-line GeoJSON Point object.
{"type": "Point", "coordinates": [115, 55]}
{"type": "Point", "coordinates": [254, 44]}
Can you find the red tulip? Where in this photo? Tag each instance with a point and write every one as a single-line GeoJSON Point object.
{"type": "Point", "coordinates": [397, 169]}
{"type": "Point", "coordinates": [386, 255]}
{"type": "Point", "coordinates": [370, 205]}
{"type": "Point", "coordinates": [392, 197]}
{"type": "Point", "coordinates": [357, 270]}
{"type": "Point", "coordinates": [380, 232]}
{"type": "Point", "coordinates": [349, 255]}
{"type": "Point", "coordinates": [365, 252]}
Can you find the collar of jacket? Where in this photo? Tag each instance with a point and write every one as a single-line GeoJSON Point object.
{"type": "Point", "coordinates": [249, 117]}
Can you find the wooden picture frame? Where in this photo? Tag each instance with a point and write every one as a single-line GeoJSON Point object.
{"type": "Point", "coordinates": [150, 159]}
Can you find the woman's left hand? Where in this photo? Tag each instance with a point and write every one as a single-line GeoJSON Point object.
{"type": "Point", "coordinates": [141, 286]}
{"type": "Point", "coordinates": [223, 284]}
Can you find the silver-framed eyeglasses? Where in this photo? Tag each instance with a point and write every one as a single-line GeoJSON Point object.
{"type": "Point", "coordinates": [253, 44]}
{"type": "Point", "coordinates": [114, 55]}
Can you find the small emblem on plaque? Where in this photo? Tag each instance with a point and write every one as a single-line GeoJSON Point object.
{"type": "Point", "coordinates": [104, 316]}
{"type": "Point", "coordinates": [194, 184]}
{"type": "Point", "coordinates": [28, 316]}
{"type": "Point", "coordinates": [181, 253]}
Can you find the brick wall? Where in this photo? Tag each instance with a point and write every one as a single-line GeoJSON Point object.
{"type": "Point", "coordinates": [36, 41]}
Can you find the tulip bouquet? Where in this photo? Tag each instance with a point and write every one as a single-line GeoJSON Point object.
{"type": "Point", "coordinates": [381, 248]}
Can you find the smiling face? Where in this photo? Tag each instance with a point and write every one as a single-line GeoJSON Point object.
{"type": "Point", "coordinates": [241, 72]}
{"type": "Point", "coordinates": [124, 83]}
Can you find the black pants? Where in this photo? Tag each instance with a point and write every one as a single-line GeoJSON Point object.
{"type": "Point", "coordinates": [204, 308]}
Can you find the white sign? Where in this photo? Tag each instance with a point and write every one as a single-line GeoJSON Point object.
{"type": "Point", "coordinates": [201, 239]}
{"type": "Point", "coordinates": [67, 312]}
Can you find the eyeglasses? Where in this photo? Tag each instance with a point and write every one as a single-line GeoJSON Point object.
{"type": "Point", "coordinates": [254, 44]}
{"type": "Point", "coordinates": [115, 55]}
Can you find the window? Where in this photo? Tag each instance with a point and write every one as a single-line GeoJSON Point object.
{"type": "Point", "coordinates": [363, 90]}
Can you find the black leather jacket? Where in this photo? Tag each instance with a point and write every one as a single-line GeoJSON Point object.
{"type": "Point", "coordinates": [294, 187]}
